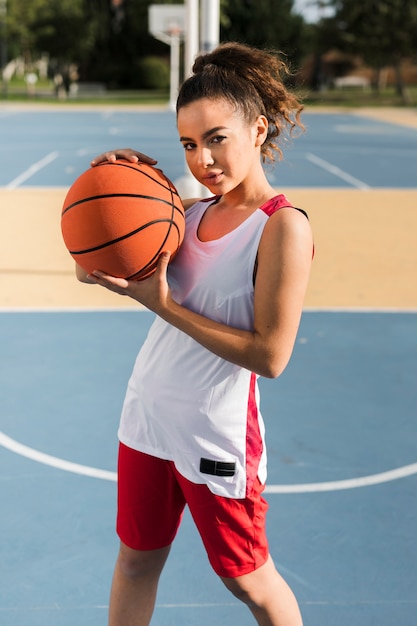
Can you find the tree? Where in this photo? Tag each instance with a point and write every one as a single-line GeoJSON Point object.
{"type": "Point", "coordinates": [46, 26]}
{"type": "Point", "coordinates": [266, 24]}
{"type": "Point", "coordinates": [383, 32]}
{"type": "Point", "coordinates": [109, 39]}
{"type": "Point", "coordinates": [104, 38]}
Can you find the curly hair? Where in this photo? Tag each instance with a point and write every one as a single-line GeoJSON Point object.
{"type": "Point", "coordinates": [253, 81]}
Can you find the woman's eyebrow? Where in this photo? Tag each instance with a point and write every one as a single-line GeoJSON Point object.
{"type": "Point", "coordinates": [206, 134]}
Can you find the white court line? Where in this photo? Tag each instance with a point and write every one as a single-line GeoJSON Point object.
{"type": "Point", "coordinates": [93, 472]}
{"type": "Point", "coordinates": [336, 171]}
{"type": "Point", "coordinates": [53, 608]}
{"type": "Point", "coordinates": [350, 483]}
{"type": "Point", "coordinates": [33, 169]}
{"type": "Point", "coordinates": [53, 461]}
{"type": "Point", "coordinates": [140, 309]}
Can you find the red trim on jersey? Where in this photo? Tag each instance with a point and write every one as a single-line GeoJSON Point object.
{"type": "Point", "coordinates": [274, 204]}
{"type": "Point", "coordinates": [254, 445]}
{"type": "Point", "coordinates": [279, 202]}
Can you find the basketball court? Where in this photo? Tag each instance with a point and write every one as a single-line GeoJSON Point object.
{"type": "Point", "coordinates": [340, 421]}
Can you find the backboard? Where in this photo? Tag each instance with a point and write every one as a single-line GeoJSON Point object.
{"type": "Point", "coordinates": [167, 20]}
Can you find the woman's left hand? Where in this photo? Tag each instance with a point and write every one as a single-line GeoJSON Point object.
{"type": "Point", "coordinates": [153, 292]}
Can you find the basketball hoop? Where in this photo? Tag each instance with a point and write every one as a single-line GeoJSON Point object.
{"type": "Point", "coordinates": [167, 20]}
{"type": "Point", "coordinates": [175, 30]}
{"type": "Point", "coordinates": [167, 23]}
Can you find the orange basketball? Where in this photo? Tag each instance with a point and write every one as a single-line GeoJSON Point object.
{"type": "Point", "coordinates": [118, 217]}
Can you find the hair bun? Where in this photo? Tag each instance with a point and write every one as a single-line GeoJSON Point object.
{"type": "Point", "coordinates": [209, 67]}
{"type": "Point", "coordinates": [203, 64]}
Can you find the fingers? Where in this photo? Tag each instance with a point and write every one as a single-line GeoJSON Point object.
{"type": "Point", "coordinates": [118, 285]}
{"type": "Point", "coordinates": [163, 263]}
{"type": "Point", "coordinates": [102, 158]}
{"type": "Point", "coordinates": [145, 158]}
{"type": "Point", "coordinates": [123, 153]}
{"type": "Point", "coordinates": [152, 292]}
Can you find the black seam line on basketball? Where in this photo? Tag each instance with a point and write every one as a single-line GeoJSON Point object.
{"type": "Point", "coordinates": [152, 261]}
{"type": "Point", "coordinates": [126, 236]}
{"type": "Point", "coordinates": [119, 195]}
{"type": "Point", "coordinates": [156, 255]}
{"type": "Point", "coordinates": [132, 167]}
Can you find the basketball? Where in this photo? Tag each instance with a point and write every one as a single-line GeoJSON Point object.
{"type": "Point", "coordinates": [118, 217]}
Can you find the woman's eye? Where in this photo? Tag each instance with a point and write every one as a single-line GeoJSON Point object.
{"type": "Point", "coordinates": [218, 139]}
{"type": "Point", "coordinates": [188, 146]}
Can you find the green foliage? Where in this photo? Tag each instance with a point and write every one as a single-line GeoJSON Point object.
{"type": "Point", "coordinates": [382, 32]}
{"type": "Point", "coordinates": [153, 73]}
{"type": "Point", "coordinates": [53, 26]}
{"type": "Point", "coordinates": [266, 24]}
{"type": "Point", "coordinates": [109, 44]}
{"type": "Point", "coordinates": [379, 30]}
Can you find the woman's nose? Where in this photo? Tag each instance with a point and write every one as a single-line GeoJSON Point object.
{"type": "Point", "coordinates": [205, 157]}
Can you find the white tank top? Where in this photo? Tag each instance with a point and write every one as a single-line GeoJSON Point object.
{"type": "Point", "coordinates": [183, 403]}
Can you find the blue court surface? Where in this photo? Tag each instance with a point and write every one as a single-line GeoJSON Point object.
{"type": "Point", "coordinates": [341, 488]}
{"type": "Point", "coordinates": [341, 420]}
{"type": "Point", "coordinates": [44, 148]}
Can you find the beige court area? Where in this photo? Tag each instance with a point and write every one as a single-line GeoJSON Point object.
{"type": "Point", "coordinates": [366, 247]}
{"type": "Point", "coordinates": [366, 252]}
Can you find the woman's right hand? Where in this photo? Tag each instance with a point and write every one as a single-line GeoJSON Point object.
{"type": "Point", "coordinates": [123, 153]}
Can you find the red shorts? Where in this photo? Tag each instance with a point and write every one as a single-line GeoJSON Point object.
{"type": "Point", "coordinates": [151, 499]}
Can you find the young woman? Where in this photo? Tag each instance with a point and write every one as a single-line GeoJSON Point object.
{"type": "Point", "coordinates": [228, 309]}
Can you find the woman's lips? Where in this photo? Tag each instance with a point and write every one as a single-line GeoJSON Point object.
{"type": "Point", "coordinates": [212, 178]}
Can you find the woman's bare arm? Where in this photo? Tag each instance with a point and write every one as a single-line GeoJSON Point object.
{"type": "Point", "coordinates": [284, 263]}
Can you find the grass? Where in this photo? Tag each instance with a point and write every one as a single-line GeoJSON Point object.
{"type": "Point", "coordinates": [356, 97]}
{"type": "Point", "coordinates": [43, 92]}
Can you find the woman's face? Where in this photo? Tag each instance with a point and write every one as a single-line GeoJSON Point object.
{"type": "Point", "coordinates": [222, 150]}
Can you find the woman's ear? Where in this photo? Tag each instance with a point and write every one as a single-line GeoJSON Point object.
{"type": "Point", "coordinates": [261, 128]}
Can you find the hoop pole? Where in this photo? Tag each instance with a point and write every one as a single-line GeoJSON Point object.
{"type": "Point", "coordinates": [187, 185]}
{"type": "Point", "coordinates": [174, 70]}
{"type": "Point", "coordinates": [192, 35]}
{"type": "Point", "coordinates": [210, 24]}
